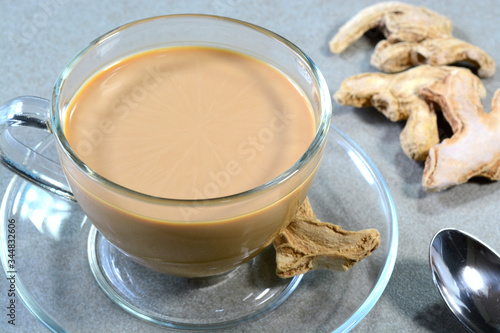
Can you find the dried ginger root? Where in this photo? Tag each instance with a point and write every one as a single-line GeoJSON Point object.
{"type": "Point", "coordinates": [397, 21]}
{"type": "Point", "coordinates": [474, 148]}
{"type": "Point", "coordinates": [308, 244]}
{"type": "Point", "coordinates": [414, 36]}
{"type": "Point", "coordinates": [397, 97]}
{"type": "Point", "coordinates": [393, 58]}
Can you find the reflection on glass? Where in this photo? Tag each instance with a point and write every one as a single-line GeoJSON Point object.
{"type": "Point", "coordinates": [45, 211]}
{"type": "Point", "coordinates": [362, 167]}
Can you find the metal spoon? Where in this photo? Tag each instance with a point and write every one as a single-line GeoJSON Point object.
{"type": "Point", "coordinates": [466, 273]}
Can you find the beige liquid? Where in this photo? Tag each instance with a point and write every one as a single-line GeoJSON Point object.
{"type": "Point", "coordinates": [189, 123]}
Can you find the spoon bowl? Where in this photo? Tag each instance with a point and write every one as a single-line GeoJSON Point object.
{"type": "Point", "coordinates": [466, 273]}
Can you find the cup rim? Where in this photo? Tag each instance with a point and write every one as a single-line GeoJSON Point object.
{"type": "Point", "coordinates": [317, 142]}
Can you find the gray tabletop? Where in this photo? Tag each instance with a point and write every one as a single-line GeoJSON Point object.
{"type": "Point", "coordinates": [38, 38]}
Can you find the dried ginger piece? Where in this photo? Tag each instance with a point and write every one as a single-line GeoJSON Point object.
{"type": "Point", "coordinates": [308, 244]}
{"type": "Point", "coordinates": [474, 148]}
{"type": "Point", "coordinates": [397, 97]}
{"type": "Point", "coordinates": [414, 36]}
{"type": "Point", "coordinates": [393, 58]}
{"type": "Point", "coordinates": [396, 20]}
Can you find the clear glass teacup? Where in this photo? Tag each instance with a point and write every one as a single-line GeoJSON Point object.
{"type": "Point", "coordinates": [187, 238]}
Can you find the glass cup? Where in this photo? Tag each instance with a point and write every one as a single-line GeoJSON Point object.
{"type": "Point", "coordinates": [186, 238]}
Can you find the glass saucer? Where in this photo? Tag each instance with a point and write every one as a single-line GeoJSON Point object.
{"type": "Point", "coordinates": [56, 283]}
{"type": "Point", "coordinates": [220, 301]}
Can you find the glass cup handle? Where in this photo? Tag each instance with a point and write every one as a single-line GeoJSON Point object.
{"type": "Point", "coordinates": [26, 161]}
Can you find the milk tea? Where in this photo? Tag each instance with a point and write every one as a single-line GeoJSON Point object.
{"type": "Point", "coordinates": [190, 123]}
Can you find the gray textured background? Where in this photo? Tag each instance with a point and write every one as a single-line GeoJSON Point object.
{"type": "Point", "coordinates": [36, 43]}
